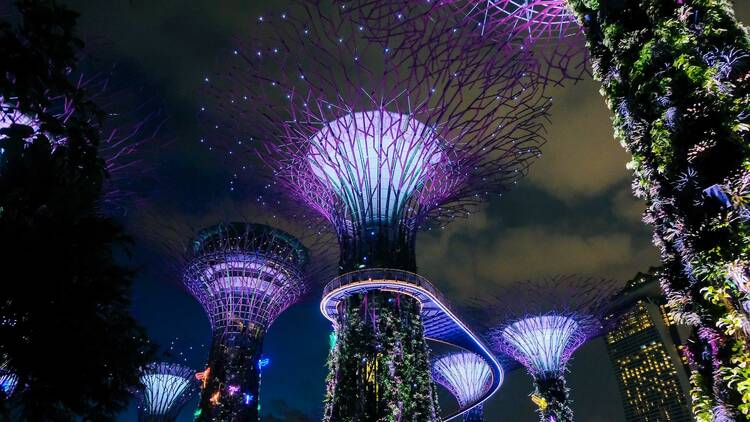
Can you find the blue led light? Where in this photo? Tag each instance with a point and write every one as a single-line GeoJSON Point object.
{"type": "Point", "coordinates": [262, 363]}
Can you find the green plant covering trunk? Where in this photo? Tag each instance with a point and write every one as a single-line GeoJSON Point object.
{"type": "Point", "coordinates": [379, 365]}
{"type": "Point", "coordinates": [553, 398]}
{"type": "Point", "coordinates": [232, 388]}
{"type": "Point", "coordinates": [676, 74]}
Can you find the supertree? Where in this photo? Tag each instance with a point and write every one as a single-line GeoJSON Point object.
{"type": "Point", "coordinates": [378, 147]}
{"type": "Point", "coordinates": [165, 389]}
{"type": "Point", "coordinates": [465, 375]}
{"type": "Point", "coordinates": [8, 380]}
{"type": "Point", "coordinates": [542, 323]}
{"type": "Point", "coordinates": [244, 275]}
{"type": "Point", "coordinates": [675, 75]}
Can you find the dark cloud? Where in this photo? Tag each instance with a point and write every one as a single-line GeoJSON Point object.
{"type": "Point", "coordinates": [580, 137]}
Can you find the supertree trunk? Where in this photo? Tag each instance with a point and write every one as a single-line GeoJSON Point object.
{"type": "Point", "coordinates": [553, 399]}
{"type": "Point", "coordinates": [232, 382]}
{"type": "Point", "coordinates": [379, 367]}
{"type": "Point", "coordinates": [675, 73]}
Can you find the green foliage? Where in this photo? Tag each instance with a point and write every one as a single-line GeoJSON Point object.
{"type": "Point", "coordinates": [64, 300]}
{"type": "Point", "coordinates": [701, 402]}
{"type": "Point", "coordinates": [379, 368]}
{"type": "Point", "coordinates": [677, 77]}
{"type": "Point", "coordinates": [553, 399]}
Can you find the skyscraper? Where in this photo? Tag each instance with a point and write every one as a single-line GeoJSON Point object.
{"type": "Point", "coordinates": [644, 350]}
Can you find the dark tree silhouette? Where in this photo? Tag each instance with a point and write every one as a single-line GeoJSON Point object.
{"type": "Point", "coordinates": [65, 325]}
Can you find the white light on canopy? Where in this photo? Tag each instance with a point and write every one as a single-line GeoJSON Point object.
{"type": "Point", "coordinates": [466, 375]}
{"type": "Point", "coordinates": [374, 161]}
{"type": "Point", "coordinates": [543, 343]}
{"type": "Point", "coordinates": [161, 392]}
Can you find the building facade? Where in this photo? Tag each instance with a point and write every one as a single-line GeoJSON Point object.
{"type": "Point", "coordinates": [644, 348]}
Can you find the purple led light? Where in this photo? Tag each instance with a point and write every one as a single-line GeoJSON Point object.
{"type": "Point", "coordinates": [353, 131]}
{"type": "Point", "coordinates": [535, 19]}
{"type": "Point", "coordinates": [466, 375]}
{"type": "Point", "coordinates": [542, 323]}
{"type": "Point", "coordinates": [546, 27]}
{"type": "Point", "coordinates": [122, 133]}
{"type": "Point", "coordinates": [387, 157]}
{"type": "Point", "coordinates": [245, 275]}
{"type": "Point", "coordinates": [543, 344]}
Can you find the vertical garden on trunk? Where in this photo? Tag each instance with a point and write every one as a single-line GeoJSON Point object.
{"type": "Point", "coordinates": [676, 74]}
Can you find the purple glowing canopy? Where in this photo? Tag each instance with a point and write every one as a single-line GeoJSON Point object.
{"type": "Point", "coordinates": [543, 322]}
{"type": "Point", "coordinates": [8, 379]}
{"type": "Point", "coordinates": [245, 274]}
{"type": "Point", "coordinates": [544, 343]}
{"type": "Point", "coordinates": [165, 389]}
{"type": "Point", "coordinates": [367, 135]}
{"type": "Point", "coordinates": [466, 375]}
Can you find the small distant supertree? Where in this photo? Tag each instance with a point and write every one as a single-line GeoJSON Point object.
{"type": "Point", "coordinates": [542, 323]}
{"type": "Point", "coordinates": [165, 389]}
{"type": "Point", "coordinates": [378, 147]}
{"type": "Point", "coordinates": [244, 275]}
{"type": "Point", "coordinates": [8, 379]}
{"type": "Point", "coordinates": [466, 375]}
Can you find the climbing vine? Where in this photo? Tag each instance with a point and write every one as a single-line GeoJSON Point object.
{"type": "Point", "coordinates": [379, 363]}
{"type": "Point", "coordinates": [552, 398]}
{"type": "Point", "coordinates": [676, 74]}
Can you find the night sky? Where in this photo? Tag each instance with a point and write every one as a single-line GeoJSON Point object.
{"type": "Point", "coordinates": [573, 214]}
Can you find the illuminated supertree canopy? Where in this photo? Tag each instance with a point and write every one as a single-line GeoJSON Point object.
{"type": "Point", "coordinates": [166, 388]}
{"type": "Point", "coordinates": [377, 140]}
{"type": "Point", "coordinates": [542, 323]}
{"type": "Point", "coordinates": [376, 147]}
{"type": "Point", "coordinates": [244, 275]}
{"type": "Point", "coordinates": [8, 379]}
{"type": "Point", "coordinates": [466, 376]}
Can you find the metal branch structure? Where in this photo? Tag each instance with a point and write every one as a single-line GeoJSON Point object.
{"type": "Point", "coordinates": [166, 388]}
{"type": "Point", "coordinates": [533, 19]}
{"type": "Point", "coordinates": [244, 275]}
{"type": "Point", "coordinates": [466, 375]}
{"type": "Point", "coordinates": [126, 126]}
{"type": "Point", "coordinates": [546, 27]}
{"type": "Point", "coordinates": [378, 140]}
{"type": "Point", "coordinates": [543, 323]}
